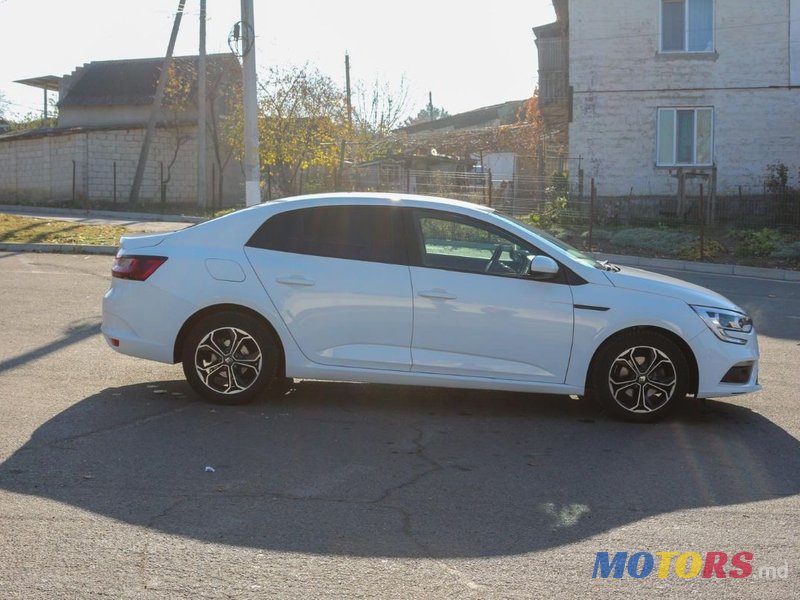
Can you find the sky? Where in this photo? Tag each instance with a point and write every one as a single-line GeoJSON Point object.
{"type": "Point", "coordinates": [468, 54]}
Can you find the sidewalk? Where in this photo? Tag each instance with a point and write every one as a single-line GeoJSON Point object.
{"type": "Point", "coordinates": [134, 222]}
{"type": "Point", "coordinates": [643, 262]}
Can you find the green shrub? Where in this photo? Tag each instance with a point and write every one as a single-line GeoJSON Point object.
{"type": "Point", "coordinates": [559, 184]}
{"type": "Point", "coordinates": [559, 232]}
{"type": "Point", "coordinates": [711, 249]}
{"type": "Point", "coordinates": [661, 241]}
{"type": "Point", "coordinates": [552, 213]}
{"type": "Point", "coordinates": [598, 235]}
{"type": "Point", "coordinates": [755, 243]}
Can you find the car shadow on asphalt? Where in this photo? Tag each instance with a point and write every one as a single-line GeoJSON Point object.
{"type": "Point", "coordinates": [369, 470]}
{"type": "Point", "coordinates": [77, 331]}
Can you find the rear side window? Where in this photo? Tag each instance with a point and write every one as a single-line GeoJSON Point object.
{"type": "Point", "coordinates": [368, 233]}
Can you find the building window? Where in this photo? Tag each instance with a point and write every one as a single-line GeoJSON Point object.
{"type": "Point", "coordinates": [687, 25]}
{"type": "Point", "coordinates": [685, 136]}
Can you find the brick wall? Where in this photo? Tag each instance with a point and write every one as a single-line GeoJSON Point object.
{"type": "Point", "coordinates": [620, 80]}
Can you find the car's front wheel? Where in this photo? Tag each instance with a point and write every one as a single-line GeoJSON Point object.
{"type": "Point", "coordinates": [229, 358]}
{"type": "Point", "coordinates": [640, 376]}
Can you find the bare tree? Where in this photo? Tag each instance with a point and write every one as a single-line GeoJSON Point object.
{"type": "Point", "coordinates": [223, 96]}
{"type": "Point", "coordinates": [379, 109]}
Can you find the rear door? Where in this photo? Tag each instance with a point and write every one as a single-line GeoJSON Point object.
{"type": "Point", "coordinates": [339, 277]}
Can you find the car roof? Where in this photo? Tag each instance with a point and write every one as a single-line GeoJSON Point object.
{"type": "Point", "coordinates": [242, 221]}
{"type": "Point", "coordinates": [377, 198]}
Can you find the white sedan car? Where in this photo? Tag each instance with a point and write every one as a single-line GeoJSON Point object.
{"type": "Point", "coordinates": [403, 289]}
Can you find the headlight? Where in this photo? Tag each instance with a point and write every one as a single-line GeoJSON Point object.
{"type": "Point", "coordinates": [727, 325]}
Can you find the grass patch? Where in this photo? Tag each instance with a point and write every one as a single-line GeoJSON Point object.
{"type": "Point", "coordinates": [30, 230]}
{"type": "Point", "coordinates": [788, 251]}
{"type": "Point", "coordinates": [661, 241]}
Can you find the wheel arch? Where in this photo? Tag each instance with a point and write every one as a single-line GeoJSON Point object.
{"type": "Point", "coordinates": [694, 375]}
{"type": "Point", "coordinates": [219, 308]}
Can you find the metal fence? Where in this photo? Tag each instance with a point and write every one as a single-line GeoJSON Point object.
{"type": "Point", "coordinates": [757, 225]}
{"type": "Point", "coordinates": [754, 225]}
{"type": "Point", "coordinates": [517, 196]}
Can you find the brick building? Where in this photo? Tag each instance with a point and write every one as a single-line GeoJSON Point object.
{"type": "Point", "coordinates": [666, 93]}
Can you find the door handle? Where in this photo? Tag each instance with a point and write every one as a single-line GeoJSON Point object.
{"type": "Point", "coordinates": [437, 294]}
{"type": "Point", "coordinates": [295, 280]}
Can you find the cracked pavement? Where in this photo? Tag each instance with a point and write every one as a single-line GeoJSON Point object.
{"type": "Point", "coordinates": [115, 481]}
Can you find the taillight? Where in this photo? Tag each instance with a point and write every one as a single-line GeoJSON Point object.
{"type": "Point", "coordinates": [137, 268]}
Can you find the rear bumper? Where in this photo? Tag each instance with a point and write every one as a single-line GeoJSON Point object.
{"type": "Point", "coordinates": [126, 341]}
{"type": "Point", "coordinates": [151, 322]}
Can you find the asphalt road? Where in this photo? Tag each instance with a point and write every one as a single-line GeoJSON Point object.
{"type": "Point", "coordinates": [116, 482]}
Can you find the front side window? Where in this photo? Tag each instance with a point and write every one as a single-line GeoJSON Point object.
{"type": "Point", "coordinates": [685, 136]}
{"type": "Point", "coordinates": [367, 233]}
{"type": "Point", "coordinates": [465, 245]}
{"type": "Point", "coordinates": [687, 25]}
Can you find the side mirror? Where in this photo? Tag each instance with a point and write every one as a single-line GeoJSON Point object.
{"type": "Point", "coordinates": [542, 267]}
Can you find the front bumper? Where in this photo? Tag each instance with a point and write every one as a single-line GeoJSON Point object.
{"type": "Point", "coordinates": [716, 358]}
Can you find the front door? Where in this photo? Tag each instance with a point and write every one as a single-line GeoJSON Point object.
{"type": "Point", "coordinates": [476, 312]}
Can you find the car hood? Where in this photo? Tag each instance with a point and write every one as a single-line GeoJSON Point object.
{"type": "Point", "coordinates": [663, 285]}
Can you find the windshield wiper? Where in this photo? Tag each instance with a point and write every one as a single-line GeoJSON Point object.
{"type": "Point", "coordinates": [607, 266]}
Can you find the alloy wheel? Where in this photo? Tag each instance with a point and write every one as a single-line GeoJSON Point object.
{"type": "Point", "coordinates": [642, 379]}
{"type": "Point", "coordinates": [228, 360]}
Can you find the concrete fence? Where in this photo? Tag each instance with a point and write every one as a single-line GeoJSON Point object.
{"type": "Point", "coordinates": [75, 166]}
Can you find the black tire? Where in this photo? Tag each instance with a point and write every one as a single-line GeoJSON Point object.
{"type": "Point", "coordinates": [229, 358]}
{"type": "Point", "coordinates": [640, 376]}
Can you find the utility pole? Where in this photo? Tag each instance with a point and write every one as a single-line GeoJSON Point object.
{"type": "Point", "coordinates": [251, 170]}
{"type": "Point", "coordinates": [349, 94]}
{"type": "Point", "coordinates": [202, 176]}
{"type": "Point", "coordinates": [430, 105]}
{"type": "Point", "coordinates": [156, 110]}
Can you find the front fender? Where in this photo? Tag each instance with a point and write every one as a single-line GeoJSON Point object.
{"type": "Point", "coordinates": [603, 311]}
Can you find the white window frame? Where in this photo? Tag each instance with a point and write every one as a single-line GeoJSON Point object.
{"type": "Point", "coordinates": [686, 30]}
{"type": "Point", "coordinates": [675, 163]}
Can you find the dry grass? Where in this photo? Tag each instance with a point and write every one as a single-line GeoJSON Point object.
{"type": "Point", "coordinates": [30, 230]}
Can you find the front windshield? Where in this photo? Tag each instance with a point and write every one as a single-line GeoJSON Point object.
{"type": "Point", "coordinates": [569, 249]}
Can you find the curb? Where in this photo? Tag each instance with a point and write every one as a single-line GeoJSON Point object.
{"type": "Point", "coordinates": [109, 214]}
{"type": "Point", "coordinates": [59, 248]}
{"type": "Point", "coordinates": [700, 267]}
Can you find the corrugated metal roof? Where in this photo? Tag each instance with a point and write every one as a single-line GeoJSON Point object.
{"type": "Point", "coordinates": [506, 112]}
{"type": "Point", "coordinates": [127, 82]}
{"type": "Point", "coordinates": [45, 82]}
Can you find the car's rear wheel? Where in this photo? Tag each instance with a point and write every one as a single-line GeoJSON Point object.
{"type": "Point", "coordinates": [229, 358]}
{"type": "Point", "coordinates": [640, 376]}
